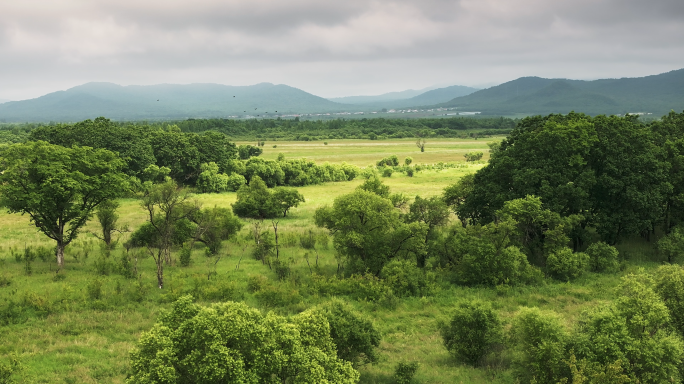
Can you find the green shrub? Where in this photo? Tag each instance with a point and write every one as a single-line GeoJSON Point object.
{"type": "Point", "coordinates": [102, 266]}
{"type": "Point", "coordinates": [5, 281]}
{"type": "Point", "coordinates": [256, 283]}
{"type": "Point", "coordinates": [274, 296]}
{"type": "Point", "coordinates": [408, 160]}
{"type": "Point", "coordinates": [235, 181]}
{"type": "Point", "coordinates": [8, 370]}
{"type": "Point", "coordinates": [307, 240]}
{"type": "Point", "coordinates": [355, 337]}
{"type": "Point", "coordinates": [409, 172]}
{"type": "Point", "coordinates": [669, 285]}
{"type": "Point", "coordinates": [125, 266]}
{"type": "Point", "coordinates": [671, 246]}
{"type": "Point", "coordinates": [233, 343]}
{"type": "Point", "coordinates": [281, 269]}
{"type": "Point", "coordinates": [539, 345]}
{"type": "Point", "coordinates": [404, 372]}
{"type": "Point", "coordinates": [387, 172]}
{"type": "Point", "coordinates": [603, 257]}
{"type": "Point", "coordinates": [566, 265]}
{"type": "Point", "coordinates": [474, 331]}
{"type": "Point", "coordinates": [473, 156]}
{"type": "Point", "coordinates": [406, 279]}
{"type": "Point", "coordinates": [94, 289]}
{"type": "Point", "coordinates": [636, 330]}
{"type": "Point", "coordinates": [185, 255]}
{"type": "Point", "coordinates": [219, 290]}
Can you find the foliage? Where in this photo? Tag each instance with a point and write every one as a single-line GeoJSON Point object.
{"type": "Point", "coordinates": [408, 160]}
{"type": "Point", "coordinates": [169, 210]}
{"type": "Point", "coordinates": [404, 372]}
{"type": "Point", "coordinates": [455, 195]}
{"type": "Point", "coordinates": [233, 343]}
{"type": "Point", "coordinates": [391, 161]}
{"type": "Point", "coordinates": [374, 185]}
{"type": "Point", "coordinates": [247, 151]}
{"type": "Point", "coordinates": [432, 212]}
{"type": "Point", "coordinates": [672, 245]}
{"type": "Point", "coordinates": [59, 188]}
{"type": "Point", "coordinates": [539, 344]}
{"type": "Point", "coordinates": [607, 169]}
{"type": "Point", "coordinates": [256, 201]}
{"type": "Point", "coordinates": [567, 265]}
{"type": "Point", "coordinates": [635, 331]}
{"type": "Point", "coordinates": [485, 255]}
{"type": "Point", "coordinates": [669, 285]}
{"type": "Point", "coordinates": [473, 156]}
{"type": "Point", "coordinates": [406, 279]}
{"type": "Point", "coordinates": [474, 331]}
{"type": "Point", "coordinates": [602, 257]}
{"type": "Point", "coordinates": [367, 231]}
{"type": "Point", "coordinates": [213, 226]}
{"type": "Point", "coordinates": [9, 369]}
{"type": "Point", "coordinates": [210, 180]}
{"type": "Point", "coordinates": [355, 337]}
{"type": "Point", "coordinates": [108, 218]}
{"type": "Point", "coordinates": [235, 181]}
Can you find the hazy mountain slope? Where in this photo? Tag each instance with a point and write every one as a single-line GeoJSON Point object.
{"type": "Point", "coordinates": [440, 95]}
{"type": "Point", "coordinates": [165, 101]}
{"type": "Point", "coordinates": [657, 94]}
{"type": "Point", "coordinates": [385, 97]}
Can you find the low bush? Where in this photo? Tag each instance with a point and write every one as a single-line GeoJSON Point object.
{"type": "Point", "coordinates": [539, 346]}
{"type": "Point", "coordinates": [404, 372]}
{"type": "Point", "coordinates": [566, 265]}
{"type": "Point", "coordinates": [406, 279]}
{"type": "Point", "coordinates": [355, 336]}
{"type": "Point", "coordinates": [474, 331]}
{"type": "Point", "coordinates": [603, 257]}
{"type": "Point", "coordinates": [273, 296]}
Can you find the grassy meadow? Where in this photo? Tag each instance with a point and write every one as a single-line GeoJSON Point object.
{"type": "Point", "coordinates": [63, 332]}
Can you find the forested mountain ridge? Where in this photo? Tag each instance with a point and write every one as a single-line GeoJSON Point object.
{"type": "Point", "coordinates": [164, 101]}
{"type": "Point", "coordinates": [657, 94]}
{"type": "Point", "coordinates": [409, 97]}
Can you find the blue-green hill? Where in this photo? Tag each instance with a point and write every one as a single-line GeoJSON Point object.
{"type": "Point", "coordinates": [657, 94]}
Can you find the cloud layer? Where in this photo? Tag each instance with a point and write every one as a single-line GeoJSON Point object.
{"type": "Point", "coordinates": [331, 48]}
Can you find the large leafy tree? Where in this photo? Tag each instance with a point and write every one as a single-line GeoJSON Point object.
{"type": "Point", "coordinates": [59, 188]}
{"type": "Point", "coordinates": [258, 202]}
{"type": "Point", "coordinates": [129, 141]}
{"type": "Point", "coordinates": [368, 232]}
{"type": "Point", "coordinates": [632, 185]}
{"type": "Point", "coordinates": [544, 156]}
{"type": "Point", "coordinates": [233, 343]}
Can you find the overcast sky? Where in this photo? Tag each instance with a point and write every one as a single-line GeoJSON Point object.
{"type": "Point", "coordinates": [332, 47]}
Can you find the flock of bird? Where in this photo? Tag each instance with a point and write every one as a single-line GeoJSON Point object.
{"type": "Point", "coordinates": [245, 111]}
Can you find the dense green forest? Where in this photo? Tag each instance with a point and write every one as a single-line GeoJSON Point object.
{"type": "Point", "coordinates": [557, 261]}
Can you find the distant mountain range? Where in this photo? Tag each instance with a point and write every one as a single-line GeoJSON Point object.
{"type": "Point", "coordinates": [385, 97]}
{"type": "Point", "coordinates": [3, 101]}
{"type": "Point", "coordinates": [657, 94]}
{"type": "Point", "coordinates": [165, 101]}
{"type": "Point", "coordinates": [407, 98]}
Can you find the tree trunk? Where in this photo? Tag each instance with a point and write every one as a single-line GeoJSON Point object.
{"type": "Point", "coordinates": [60, 255]}
{"type": "Point", "coordinates": [160, 272]}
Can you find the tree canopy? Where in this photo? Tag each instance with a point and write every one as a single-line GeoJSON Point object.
{"type": "Point", "coordinates": [59, 188]}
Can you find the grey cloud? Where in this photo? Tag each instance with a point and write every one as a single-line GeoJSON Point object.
{"type": "Point", "coordinates": [329, 45]}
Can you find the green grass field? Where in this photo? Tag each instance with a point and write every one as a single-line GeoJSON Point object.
{"type": "Point", "coordinates": [63, 335]}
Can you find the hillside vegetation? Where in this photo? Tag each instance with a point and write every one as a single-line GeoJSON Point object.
{"type": "Point", "coordinates": [657, 94]}
{"type": "Point", "coordinates": [552, 255]}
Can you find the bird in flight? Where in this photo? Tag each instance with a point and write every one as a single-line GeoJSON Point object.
{"type": "Point", "coordinates": [157, 99]}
